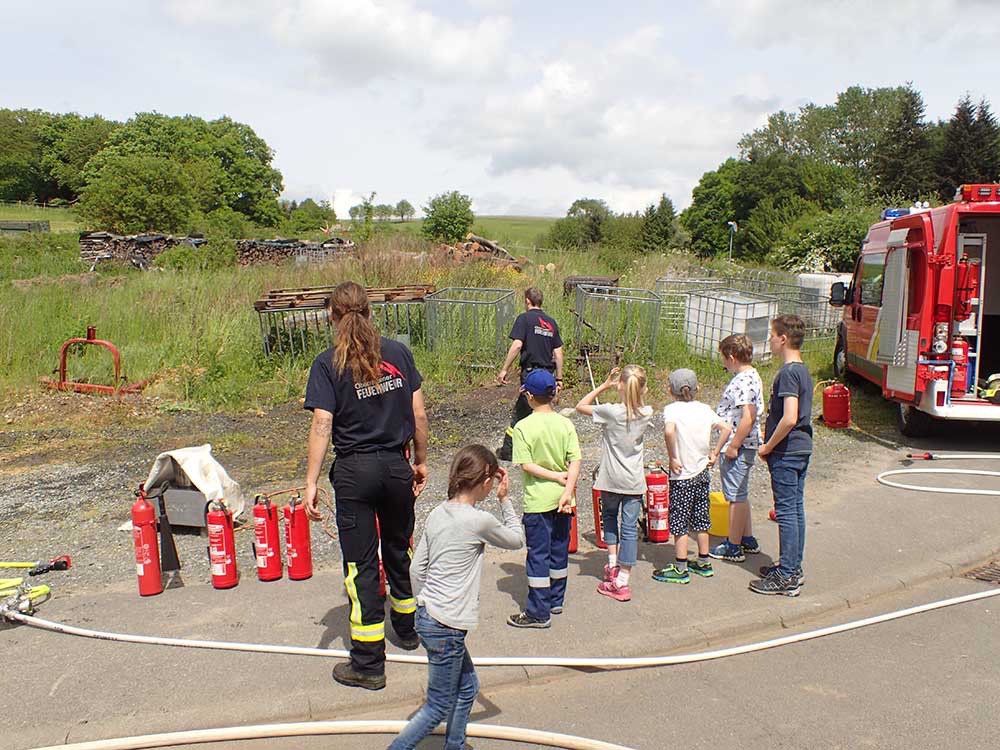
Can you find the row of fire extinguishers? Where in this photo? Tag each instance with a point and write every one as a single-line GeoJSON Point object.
{"type": "Point", "coordinates": [222, 543]}
{"type": "Point", "coordinates": [655, 508]}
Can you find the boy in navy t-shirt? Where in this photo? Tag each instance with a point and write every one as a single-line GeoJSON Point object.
{"type": "Point", "coordinates": [787, 451]}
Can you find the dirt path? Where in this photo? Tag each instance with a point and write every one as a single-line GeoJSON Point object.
{"type": "Point", "coordinates": [69, 465]}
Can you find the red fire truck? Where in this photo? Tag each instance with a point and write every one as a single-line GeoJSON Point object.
{"type": "Point", "coordinates": [922, 311]}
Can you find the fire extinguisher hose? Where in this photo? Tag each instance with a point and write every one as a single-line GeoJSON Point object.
{"type": "Point", "coordinates": [316, 728]}
{"type": "Point", "coordinates": [883, 477]}
{"type": "Point", "coordinates": [12, 613]}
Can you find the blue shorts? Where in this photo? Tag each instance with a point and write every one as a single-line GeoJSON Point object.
{"type": "Point", "coordinates": [735, 475]}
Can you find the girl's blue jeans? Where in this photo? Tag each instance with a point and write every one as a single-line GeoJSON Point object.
{"type": "Point", "coordinates": [452, 686]}
{"type": "Point", "coordinates": [627, 535]}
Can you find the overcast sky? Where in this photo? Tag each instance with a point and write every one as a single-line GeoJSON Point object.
{"type": "Point", "coordinates": [524, 105]}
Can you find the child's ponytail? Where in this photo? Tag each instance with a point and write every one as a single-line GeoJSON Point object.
{"type": "Point", "coordinates": [634, 378]}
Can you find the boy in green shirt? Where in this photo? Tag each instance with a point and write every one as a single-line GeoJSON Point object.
{"type": "Point", "coordinates": [546, 447]}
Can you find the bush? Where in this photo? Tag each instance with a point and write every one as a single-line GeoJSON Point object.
{"type": "Point", "coordinates": [213, 255]}
{"type": "Point", "coordinates": [449, 217]}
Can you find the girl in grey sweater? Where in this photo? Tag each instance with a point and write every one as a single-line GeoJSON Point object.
{"type": "Point", "coordinates": [445, 573]}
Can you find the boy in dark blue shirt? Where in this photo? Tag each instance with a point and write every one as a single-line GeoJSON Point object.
{"type": "Point", "coordinates": [787, 451]}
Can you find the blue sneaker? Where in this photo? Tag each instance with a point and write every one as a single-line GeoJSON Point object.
{"type": "Point", "coordinates": [672, 574]}
{"type": "Point", "coordinates": [750, 545]}
{"type": "Point", "coordinates": [727, 551]}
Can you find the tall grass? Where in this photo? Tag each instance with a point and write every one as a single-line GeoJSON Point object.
{"type": "Point", "coordinates": [197, 336]}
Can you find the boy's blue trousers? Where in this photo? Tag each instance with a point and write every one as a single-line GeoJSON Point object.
{"type": "Point", "coordinates": [547, 538]}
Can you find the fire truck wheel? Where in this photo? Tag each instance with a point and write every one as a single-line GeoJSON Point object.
{"type": "Point", "coordinates": [840, 358]}
{"type": "Point", "coordinates": [912, 422]}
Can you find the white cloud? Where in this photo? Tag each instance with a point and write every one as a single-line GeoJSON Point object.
{"type": "Point", "coordinates": [356, 41]}
{"type": "Point", "coordinates": [628, 121]}
{"type": "Point", "coordinates": [877, 29]}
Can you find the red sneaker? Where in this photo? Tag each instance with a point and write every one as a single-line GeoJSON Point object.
{"type": "Point", "coordinates": [620, 593]}
{"type": "Point", "coordinates": [610, 573]}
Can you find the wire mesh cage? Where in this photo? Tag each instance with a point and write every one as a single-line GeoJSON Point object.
{"type": "Point", "coordinates": [674, 291]}
{"type": "Point", "coordinates": [617, 319]}
{"type": "Point", "coordinates": [712, 315]}
{"type": "Point", "coordinates": [295, 322]}
{"type": "Point", "coordinates": [472, 323]}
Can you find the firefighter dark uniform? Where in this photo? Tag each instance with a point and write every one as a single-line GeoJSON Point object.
{"type": "Point", "coordinates": [539, 337]}
{"type": "Point", "coordinates": [372, 479]}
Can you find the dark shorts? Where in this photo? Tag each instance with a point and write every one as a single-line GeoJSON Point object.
{"type": "Point", "coordinates": [689, 504]}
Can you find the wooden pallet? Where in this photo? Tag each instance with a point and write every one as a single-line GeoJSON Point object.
{"type": "Point", "coordinates": [311, 298]}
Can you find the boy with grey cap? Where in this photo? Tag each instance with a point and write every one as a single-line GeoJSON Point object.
{"type": "Point", "coordinates": [687, 430]}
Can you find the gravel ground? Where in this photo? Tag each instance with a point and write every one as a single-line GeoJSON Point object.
{"type": "Point", "coordinates": [69, 465]}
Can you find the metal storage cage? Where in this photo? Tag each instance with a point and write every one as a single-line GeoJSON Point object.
{"type": "Point", "coordinates": [473, 323]}
{"type": "Point", "coordinates": [617, 319]}
{"type": "Point", "coordinates": [712, 315]}
{"type": "Point", "coordinates": [294, 322]}
{"type": "Point", "coordinates": [674, 291]}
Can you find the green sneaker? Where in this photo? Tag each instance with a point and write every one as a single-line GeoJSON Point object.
{"type": "Point", "coordinates": [671, 574]}
{"type": "Point", "coordinates": [703, 569]}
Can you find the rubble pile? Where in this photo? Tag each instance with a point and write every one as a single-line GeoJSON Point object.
{"type": "Point", "coordinates": [480, 248]}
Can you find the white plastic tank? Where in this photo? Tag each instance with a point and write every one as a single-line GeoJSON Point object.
{"type": "Point", "coordinates": [820, 283]}
{"type": "Point", "coordinates": [713, 315]}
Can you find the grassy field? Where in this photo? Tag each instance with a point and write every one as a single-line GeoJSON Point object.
{"type": "Point", "coordinates": [60, 219]}
{"type": "Point", "coordinates": [197, 336]}
{"type": "Point", "coordinates": [519, 233]}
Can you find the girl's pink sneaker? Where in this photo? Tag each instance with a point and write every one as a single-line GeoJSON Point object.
{"type": "Point", "coordinates": [610, 573]}
{"type": "Point", "coordinates": [620, 593]}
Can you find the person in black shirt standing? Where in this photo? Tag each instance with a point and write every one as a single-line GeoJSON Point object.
{"type": "Point", "coordinates": [365, 394]}
{"type": "Point", "coordinates": [535, 336]}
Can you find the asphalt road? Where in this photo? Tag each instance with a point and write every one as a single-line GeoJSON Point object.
{"type": "Point", "coordinates": [928, 680]}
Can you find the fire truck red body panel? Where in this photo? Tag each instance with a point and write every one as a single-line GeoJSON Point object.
{"type": "Point", "coordinates": [922, 312]}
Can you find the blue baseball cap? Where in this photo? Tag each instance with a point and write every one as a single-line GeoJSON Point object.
{"type": "Point", "coordinates": [539, 383]}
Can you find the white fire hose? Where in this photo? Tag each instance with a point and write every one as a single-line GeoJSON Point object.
{"type": "Point", "coordinates": [313, 728]}
{"type": "Point", "coordinates": [943, 457]}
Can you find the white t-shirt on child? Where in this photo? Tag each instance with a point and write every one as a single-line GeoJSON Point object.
{"type": "Point", "coordinates": [694, 421]}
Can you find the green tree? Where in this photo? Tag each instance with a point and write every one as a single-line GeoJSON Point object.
{"type": "Point", "coordinates": [448, 217]}
{"type": "Point", "coordinates": [592, 212]}
{"type": "Point", "coordinates": [902, 162]}
{"type": "Point", "coordinates": [310, 216]}
{"type": "Point", "coordinates": [137, 193]}
{"type": "Point", "coordinates": [365, 219]}
{"type": "Point", "coordinates": [567, 234]}
{"type": "Point", "coordinates": [22, 174]}
{"type": "Point", "coordinates": [957, 160]}
{"type": "Point", "coordinates": [987, 144]}
{"type": "Point", "coordinates": [69, 142]}
{"type": "Point", "coordinates": [712, 206]}
{"type": "Point", "coordinates": [227, 164]}
{"type": "Point", "coordinates": [826, 241]}
{"type": "Point", "coordinates": [658, 226]}
{"type": "Point", "coordinates": [384, 212]}
{"type": "Point", "coordinates": [404, 210]}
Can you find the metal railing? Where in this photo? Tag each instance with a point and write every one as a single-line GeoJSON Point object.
{"type": "Point", "coordinates": [473, 323]}
{"type": "Point", "coordinates": [617, 319]}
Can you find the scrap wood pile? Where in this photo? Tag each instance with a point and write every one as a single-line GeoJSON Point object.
{"type": "Point", "coordinates": [250, 252]}
{"type": "Point", "coordinates": [480, 248]}
{"type": "Point", "coordinates": [315, 297]}
{"type": "Point", "coordinates": [137, 249]}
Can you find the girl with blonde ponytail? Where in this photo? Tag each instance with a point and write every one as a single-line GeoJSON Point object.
{"type": "Point", "coordinates": [621, 476]}
{"type": "Point", "coordinates": [364, 393]}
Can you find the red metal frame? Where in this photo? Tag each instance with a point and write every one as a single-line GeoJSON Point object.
{"type": "Point", "coordinates": [119, 387]}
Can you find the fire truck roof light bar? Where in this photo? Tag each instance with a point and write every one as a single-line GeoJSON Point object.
{"type": "Point", "coordinates": [975, 193]}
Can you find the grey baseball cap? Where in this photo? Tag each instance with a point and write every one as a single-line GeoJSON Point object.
{"type": "Point", "coordinates": [681, 378]}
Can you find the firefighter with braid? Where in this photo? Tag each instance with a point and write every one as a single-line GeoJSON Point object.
{"type": "Point", "coordinates": [364, 393]}
{"type": "Point", "coordinates": [535, 338]}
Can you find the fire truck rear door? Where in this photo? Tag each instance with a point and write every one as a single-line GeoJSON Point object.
{"type": "Point", "coordinates": [897, 347]}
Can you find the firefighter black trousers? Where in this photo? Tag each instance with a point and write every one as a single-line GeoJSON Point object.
{"type": "Point", "coordinates": [369, 486]}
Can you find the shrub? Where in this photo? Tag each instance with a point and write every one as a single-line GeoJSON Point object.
{"type": "Point", "coordinates": [213, 255]}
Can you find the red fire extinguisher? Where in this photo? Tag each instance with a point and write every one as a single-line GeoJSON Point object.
{"type": "Point", "coordinates": [147, 547]}
{"type": "Point", "coordinates": [573, 539]}
{"type": "Point", "coordinates": [298, 543]}
{"type": "Point", "coordinates": [960, 356]}
{"type": "Point", "coordinates": [837, 405]}
{"type": "Point", "coordinates": [266, 544]}
{"type": "Point", "coordinates": [657, 503]}
{"type": "Point", "coordinates": [221, 546]}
